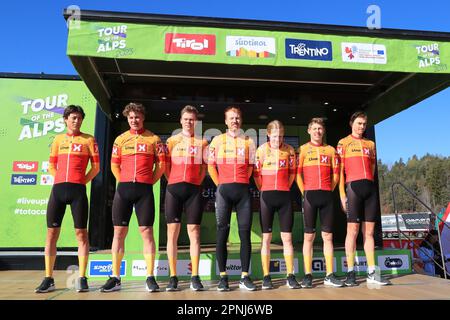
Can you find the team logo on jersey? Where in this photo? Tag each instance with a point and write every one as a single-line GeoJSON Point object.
{"type": "Point", "coordinates": [142, 147]}
{"type": "Point", "coordinates": [211, 153]}
{"type": "Point", "coordinates": [366, 151]}
{"type": "Point", "coordinates": [323, 159]}
{"type": "Point", "coordinates": [192, 150]}
{"type": "Point", "coordinates": [282, 163]}
{"type": "Point", "coordinates": [76, 147]}
{"type": "Point", "coordinates": [160, 148]}
{"type": "Point", "coordinates": [115, 150]}
{"type": "Point", "coordinates": [240, 151]}
{"type": "Point", "coordinates": [291, 161]}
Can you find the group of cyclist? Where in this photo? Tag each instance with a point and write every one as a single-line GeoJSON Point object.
{"type": "Point", "coordinates": [139, 159]}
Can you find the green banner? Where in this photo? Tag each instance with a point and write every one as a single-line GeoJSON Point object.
{"type": "Point", "coordinates": [256, 47]}
{"type": "Point", "coordinates": [32, 117]}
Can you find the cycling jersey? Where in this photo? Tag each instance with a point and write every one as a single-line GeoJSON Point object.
{"type": "Point", "coordinates": [357, 156]}
{"type": "Point", "coordinates": [316, 166]}
{"type": "Point", "coordinates": [70, 155]}
{"type": "Point", "coordinates": [136, 152]}
{"type": "Point", "coordinates": [274, 166]}
{"type": "Point", "coordinates": [232, 156]}
{"type": "Point", "coordinates": [185, 155]}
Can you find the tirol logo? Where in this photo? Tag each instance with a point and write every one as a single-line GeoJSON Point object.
{"type": "Point", "coordinates": [182, 43]}
{"type": "Point", "coordinates": [428, 55]}
{"type": "Point", "coordinates": [364, 53]}
{"type": "Point", "coordinates": [393, 262]}
{"type": "Point", "coordinates": [25, 166]}
{"type": "Point", "coordinates": [112, 38]}
{"type": "Point", "coordinates": [308, 49]}
{"type": "Point", "coordinates": [252, 47]}
{"type": "Point", "coordinates": [103, 268]}
{"type": "Point", "coordinates": [24, 179]}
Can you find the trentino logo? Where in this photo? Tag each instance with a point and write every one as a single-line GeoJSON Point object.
{"type": "Point", "coordinates": [24, 179]}
{"type": "Point", "coordinates": [308, 49]}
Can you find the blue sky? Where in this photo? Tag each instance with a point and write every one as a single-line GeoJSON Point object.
{"type": "Point", "coordinates": [34, 40]}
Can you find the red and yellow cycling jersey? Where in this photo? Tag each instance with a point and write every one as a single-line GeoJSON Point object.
{"type": "Point", "coordinates": [185, 155]}
{"type": "Point", "coordinates": [232, 156]}
{"type": "Point", "coordinates": [318, 166]}
{"type": "Point", "coordinates": [357, 158]}
{"type": "Point", "coordinates": [274, 166]}
{"type": "Point", "coordinates": [136, 152]}
{"type": "Point", "coordinates": [70, 155]}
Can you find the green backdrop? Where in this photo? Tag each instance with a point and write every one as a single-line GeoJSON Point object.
{"type": "Point", "coordinates": [32, 116]}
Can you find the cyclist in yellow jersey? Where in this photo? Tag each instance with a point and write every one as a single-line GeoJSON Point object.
{"type": "Point", "coordinates": [359, 196]}
{"type": "Point", "coordinates": [274, 174]}
{"type": "Point", "coordinates": [185, 171]}
{"type": "Point", "coordinates": [317, 177]}
{"type": "Point", "coordinates": [69, 157]}
{"type": "Point", "coordinates": [230, 166]}
{"type": "Point", "coordinates": [137, 162]}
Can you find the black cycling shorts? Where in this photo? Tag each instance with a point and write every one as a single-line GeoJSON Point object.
{"type": "Point", "coordinates": [362, 201]}
{"type": "Point", "coordinates": [139, 195]}
{"type": "Point", "coordinates": [231, 195]}
{"type": "Point", "coordinates": [63, 194]}
{"type": "Point", "coordinates": [276, 201]}
{"type": "Point", "coordinates": [318, 201]}
{"type": "Point", "coordinates": [187, 195]}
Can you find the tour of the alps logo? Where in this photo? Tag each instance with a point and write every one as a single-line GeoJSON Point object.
{"type": "Point", "coordinates": [428, 55]}
{"type": "Point", "coordinates": [364, 53]}
{"type": "Point", "coordinates": [112, 38]}
{"type": "Point", "coordinates": [252, 47]}
{"type": "Point", "coordinates": [308, 49]}
{"type": "Point", "coordinates": [183, 43]}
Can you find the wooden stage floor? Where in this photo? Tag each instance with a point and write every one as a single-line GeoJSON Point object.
{"type": "Point", "coordinates": [19, 285]}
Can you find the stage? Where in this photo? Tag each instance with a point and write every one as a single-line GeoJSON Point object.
{"type": "Point", "coordinates": [20, 285]}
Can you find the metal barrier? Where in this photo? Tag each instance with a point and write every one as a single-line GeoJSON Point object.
{"type": "Point", "coordinates": [434, 215]}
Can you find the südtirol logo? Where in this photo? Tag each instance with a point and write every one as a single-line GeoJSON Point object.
{"type": "Point", "coordinates": [112, 38]}
{"type": "Point", "coordinates": [428, 56]}
{"type": "Point", "coordinates": [252, 47]}
{"type": "Point", "coordinates": [38, 116]}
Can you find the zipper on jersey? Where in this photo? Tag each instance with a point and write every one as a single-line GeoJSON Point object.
{"type": "Point", "coordinates": [362, 159]}
{"type": "Point", "coordinates": [235, 160]}
{"type": "Point", "coordinates": [68, 159]}
{"type": "Point", "coordinates": [318, 165]}
{"type": "Point", "coordinates": [277, 158]}
{"type": "Point", "coordinates": [186, 158]}
{"type": "Point", "coordinates": [135, 157]}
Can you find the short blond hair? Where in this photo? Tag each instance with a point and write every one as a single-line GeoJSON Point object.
{"type": "Point", "coordinates": [189, 109]}
{"type": "Point", "coordinates": [319, 121]}
{"type": "Point", "coordinates": [275, 124]}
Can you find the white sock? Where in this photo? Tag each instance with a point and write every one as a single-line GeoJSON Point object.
{"type": "Point", "coordinates": [370, 269]}
{"type": "Point", "coordinates": [350, 269]}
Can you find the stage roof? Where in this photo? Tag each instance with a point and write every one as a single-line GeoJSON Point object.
{"type": "Point", "coordinates": [288, 71]}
